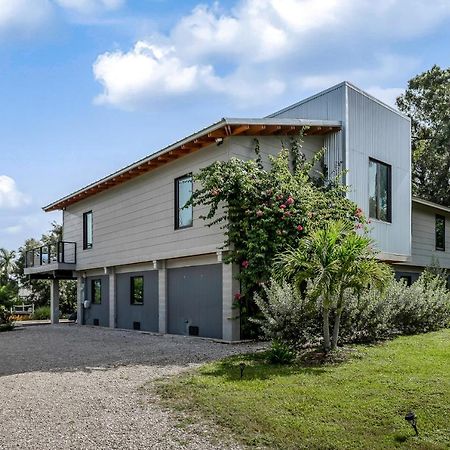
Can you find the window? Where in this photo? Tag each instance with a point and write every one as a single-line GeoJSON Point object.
{"type": "Point", "coordinates": [440, 232]}
{"type": "Point", "coordinates": [88, 230]}
{"type": "Point", "coordinates": [137, 290]}
{"type": "Point", "coordinates": [96, 290]}
{"type": "Point", "coordinates": [183, 193]}
{"type": "Point", "coordinates": [407, 279]}
{"type": "Point", "coordinates": [379, 190]}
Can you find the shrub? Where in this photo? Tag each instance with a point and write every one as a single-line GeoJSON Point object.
{"type": "Point", "coordinates": [288, 316]}
{"type": "Point", "coordinates": [280, 353]}
{"type": "Point", "coordinates": [41, 313]}
{"type": "Point", "coordinates": [6, 323]}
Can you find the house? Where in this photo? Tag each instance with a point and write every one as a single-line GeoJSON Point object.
{"type": "Point", "coordinates": [142, 261]}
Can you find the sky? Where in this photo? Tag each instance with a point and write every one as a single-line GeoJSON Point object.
{"type": "Point", "coordinates": [89, 86]}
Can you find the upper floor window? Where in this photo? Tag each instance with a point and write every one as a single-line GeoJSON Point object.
{"type": "Point", "coordinates": [183, 193]}
{"type": "Point", "coordinates": [380, 190]}
{"type": "Point", "coordinates": [137, 290]}
{"type": "Point", "coordinates": [96, 290]}
{"type": "Point", "coordinates": [88, 230]}
{"type": "Point", "coordinates": [440, 232]}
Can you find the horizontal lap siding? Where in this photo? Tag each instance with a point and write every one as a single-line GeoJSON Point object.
{"type": "Point", "coordinates": [423, 237]}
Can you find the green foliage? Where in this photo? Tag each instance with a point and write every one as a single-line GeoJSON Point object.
{"type": "Point", "coordinates": [426, 101]}
{"type": "Point", "coordinates": [41, 313]}
{"type": "Point", "coordinates": [280, 353]}
{"type": "Point", "coordinates": [265, 211]}
{"type": "Point", "coordinates": [5, 319]}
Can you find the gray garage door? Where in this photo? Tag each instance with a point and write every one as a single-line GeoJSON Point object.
{"type": "Point", "coordinates": [138, 316]}
{"type": "Point", "coordinates": [195, 300]}
{"type": "Point", "coordinates": [97, 314]}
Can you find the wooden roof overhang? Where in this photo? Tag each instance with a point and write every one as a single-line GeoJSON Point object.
{"type": "Point", "coordinates": [216, 133]}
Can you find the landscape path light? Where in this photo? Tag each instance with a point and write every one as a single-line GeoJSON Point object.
{"type": "Point", "coordinates": [411, 418]}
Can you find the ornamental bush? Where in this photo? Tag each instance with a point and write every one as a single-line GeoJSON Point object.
{"type": "Point", "coordinates": [5, 319]}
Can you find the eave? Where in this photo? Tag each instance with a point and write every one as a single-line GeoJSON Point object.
{"type": "Point", "coordinates": [223, 129]}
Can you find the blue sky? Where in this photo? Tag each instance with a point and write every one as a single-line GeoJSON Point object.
{"type": "Point", "coordinates": [88, 86]}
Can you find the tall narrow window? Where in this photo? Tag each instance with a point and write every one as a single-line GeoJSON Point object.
{"type": "Point", "coordinates": [137, 290]}
{"type": "Point", "coordinates": [183, 193]}
{"type": "Point", "coordinates": [440, 232]}
{"type": "Point", "coordinates": [96, 288]}
{"type": "Point", "coordinates": [88, 230]}
{"type": "Point", "coordinates": [380, 190]}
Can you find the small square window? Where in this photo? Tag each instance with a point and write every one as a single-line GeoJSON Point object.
{"type": "Point", "coordinates": [137, 290]}
{"type": "Point", "coordinates": [440, 232]}
{"type": "Point", "coordinates": [380, 204]}
{"type": "Point", "coordinates": [183, 193]}
{"type": "Point", "coordinates": [96, 288]}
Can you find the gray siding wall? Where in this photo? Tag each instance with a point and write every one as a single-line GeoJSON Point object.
{"type": "Point", "coordinates": [147, 313]}
{"type": "Point", "coordinates": [134, 222]}
{"type": "Point", "coordinates": [423, 237]}
{"type": "Point", "coordinates": [373, 130]}
{"type": "Point", "coordinates": [97, 311]}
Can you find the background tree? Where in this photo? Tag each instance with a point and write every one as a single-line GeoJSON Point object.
{"type": "Point", "coordinates": [427, 102]}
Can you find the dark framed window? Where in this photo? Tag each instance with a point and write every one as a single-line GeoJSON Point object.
{"type": "Point", "coordinates": [137, 290]}
{"type": "Point", "coordinates": [183, 193]}
{"type": "Point", "coordinates": [380, 190]}
{"type": "Point", "coordinates": [96, 290]}
{"type": "Point", "coordinates": [440, 232]}
{"type": "Point", "coordinates": [407, 278]}
{"type": "Point", "coordinates": [88, 230]}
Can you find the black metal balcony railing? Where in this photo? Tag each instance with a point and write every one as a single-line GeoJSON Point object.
{"type": "Point", "coordinates": [58, 252]}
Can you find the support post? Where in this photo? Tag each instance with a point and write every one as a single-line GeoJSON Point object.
{"type": "Point", "coordinates": [112, 298]}
{"type": "Point", "coordinates": [162, 295]}
{"type": "Point", "coordinates": [80, 299]}
{"type": "Point", "coordinates": [231, 327]}
{"type": "Point", "coordinates": [54, 301]}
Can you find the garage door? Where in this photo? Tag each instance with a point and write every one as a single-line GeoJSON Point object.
{"type": "Point", "coordinates": [195, 300]}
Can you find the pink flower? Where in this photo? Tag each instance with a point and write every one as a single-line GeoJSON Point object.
{"type": "Point", "coordinates": [237, 296]}
{"type": "Point", "coordinates": [245, 264]}
{"type": "Point", "coordinates": [283, 206]}
{"type": "Point", "coordinates": [287, 213]}
{"type": "Point", "coordinates": [290, 200]}
{"type": "Point", "coordinates": [259, 213]}
{"type": "Point", "coordinates": [358, 212]}
{"type": "Point", "coordinates": [358, 225]}
{"type": "Point", "coordinates": [299, 228]}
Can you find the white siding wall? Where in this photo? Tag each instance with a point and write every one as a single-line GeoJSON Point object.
{"type": "Point", "coordinates": [423, 237]}
{"type": "Point", "coordinates": [134, 222]}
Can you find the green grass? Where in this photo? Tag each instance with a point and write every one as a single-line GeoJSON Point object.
{"type": "Point", "coordinates": [357, 404]}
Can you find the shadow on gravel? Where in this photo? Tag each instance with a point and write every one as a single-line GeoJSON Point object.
{"type": "Point", "coordinates": [71, 348]}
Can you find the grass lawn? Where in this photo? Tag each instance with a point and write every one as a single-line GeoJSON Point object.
{"type": "Point", "coordinates": [357, 404]}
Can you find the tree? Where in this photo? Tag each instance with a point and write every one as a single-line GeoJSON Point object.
{"type": "Point", "coordinates": [7, 265]}
{"type": "Point", "coordinates": [427, 102]}
{"type": "Point", "coordinates": [332, 259]}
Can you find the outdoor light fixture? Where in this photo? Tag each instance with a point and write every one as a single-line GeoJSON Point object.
{"type": "Point", "coordinates": [219, 141]}
{"type": "Point", "coordinates": [242, 367]}
{"type": "Point", "coordinates": [411, 418]}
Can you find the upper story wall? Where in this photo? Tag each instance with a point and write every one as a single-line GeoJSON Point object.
{"type": "Point", "coordinates": [134, 222]}
{"type": "Point", "coordinates": [376, 131]}
{"type": "Point", "coordinates": [424, 237]}
{"type": "Point", "coordinates": [370, 129]}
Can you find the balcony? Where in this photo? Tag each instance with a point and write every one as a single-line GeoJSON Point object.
{"type": "Point", "coordinates": [55, 260]}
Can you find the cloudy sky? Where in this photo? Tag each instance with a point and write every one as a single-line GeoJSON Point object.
{"type": "Point", "coordinates": [87, 86]}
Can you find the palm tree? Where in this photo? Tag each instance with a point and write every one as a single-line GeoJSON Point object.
{"type": "Point", "coordinates": [7, 264]}
{"type": "Point", "coordinates": [333, 259]}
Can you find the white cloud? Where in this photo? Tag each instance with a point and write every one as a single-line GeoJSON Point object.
{"type": "Point", "coordinates": [261, 49]}
{"type": "Point", "coordinates": [24, 15]}
{"type": "Point", "coordinates": [10, 196]}
{"type": "Point", "coordinates": [90, 6]}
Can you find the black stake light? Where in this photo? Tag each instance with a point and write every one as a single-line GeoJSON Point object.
{"type": "Point", "coordinates": [242, 367]}
{"type": "Point", "coordinates": [411, 418]}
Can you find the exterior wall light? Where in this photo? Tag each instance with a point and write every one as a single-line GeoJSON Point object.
{"type": "Point", "coordinates": [219, 141]}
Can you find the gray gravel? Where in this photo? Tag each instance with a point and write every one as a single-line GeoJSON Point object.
{"type": "Point", "coordinates": [70, 387]}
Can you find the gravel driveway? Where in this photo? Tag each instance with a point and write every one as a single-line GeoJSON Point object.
{"type": "Point", "coordinates": [70, 387]}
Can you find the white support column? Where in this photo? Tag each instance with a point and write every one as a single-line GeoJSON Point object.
{"type": "Point", "coordinates": [230, 315]}
{"type": "Point", "coordinates": [80, 299]}
{"type": "Point", "coordinates": [112, 298]}
{"type": "Point", "coordinates": [162, 294]}
{"type": "Point", "coordinates": [54, 301]}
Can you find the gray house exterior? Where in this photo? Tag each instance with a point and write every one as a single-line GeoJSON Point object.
{"type": "Point", "coordinates": [139, 265]}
